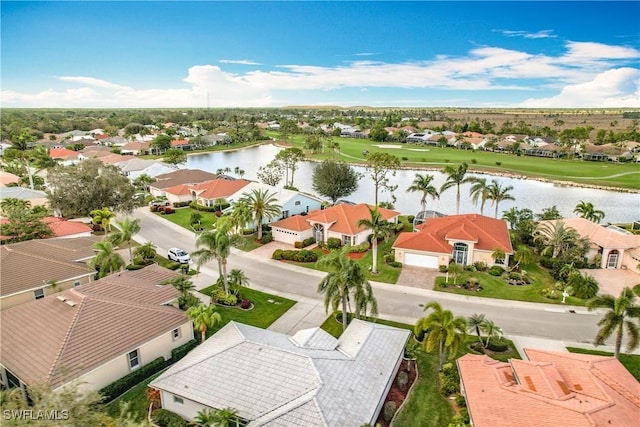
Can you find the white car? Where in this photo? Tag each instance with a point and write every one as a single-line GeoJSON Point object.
{"type": "Point", "coordinates": [177, 254]}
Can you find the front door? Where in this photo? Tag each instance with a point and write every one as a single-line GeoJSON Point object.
{"type": "Point", "coordinates": [318, 232]}
{"type": "Point", "coordinates": [612, 259]}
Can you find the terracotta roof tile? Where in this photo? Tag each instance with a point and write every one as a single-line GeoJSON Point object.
{"type": "Point", "coordinates": [293, 223]}
{"type": "Point", "coordinates": [218, 188]}
{"type": "Point", "coordinates": [343, 218]}
{"type": "Point", "coordinates": [66, 340]}
{"type": "Point", "coordinates": [62, 227]}
{"type": "Point", "coordinates": [600, 235]}
{"type": "Point", "coordinates": [435, 233]}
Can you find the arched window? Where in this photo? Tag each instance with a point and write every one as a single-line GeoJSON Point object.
{"type": "Point", "coordinates": [459, 254]}
{"type": "Point", "coordinates": [612, 259]}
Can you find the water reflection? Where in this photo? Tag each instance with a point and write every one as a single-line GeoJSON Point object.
{"type": "Point", "coordinates": [535, 195]}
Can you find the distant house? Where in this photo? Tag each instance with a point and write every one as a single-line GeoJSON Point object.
{"type": "Point", "coordinates": [208, 192]}
{"type": "Point", "coordinates": [61, 261]}
{"type": "Point", "coordinates": [35, 197]}
{"type": "Point", "coordinates": [7, 178]}
{"type": "Point", "coordinates": [94, 334]}
{"type": "Point", "coordinates": [64, 156]}
{"type": "Point", "coordinates": [548, 150]}
{"type": "Point", "coordinates": [549, 389]}
{"type": "Point", "coordinates": [271, 379]}
{"type": "Point", "coordinates": [616, 247]}
{"type": "Point", "coordinates": [62, 227]}
{"type": "Point", "coordinates": [463, 239]}
{"type": "Point", "coordinates": [339, 221]}
{"type": "Point", "coordinates": [134, 167]}
{"type": "Point", "coordinates": [422, 137]}
{"type": "Point", "coordinates": [135, 148]}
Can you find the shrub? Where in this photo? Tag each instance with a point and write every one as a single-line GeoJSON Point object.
{"type": "Point", "coordinates": [402, 380]}
{"type": "Point", "coordinates": [194, 205]}
{"type": "Point", "coordinates": [496, 270]}
{"type": "Point", "coordinates": [308, 241]}
{"type": "Point", "coordinates": [334, 243]}
{"type": "Point", "coordinates": [399, 227]}
{"type": "Point", "coordinates": [498, 163]}
{"type": "Point", "coordinates": [405, 158]}
{"type": "Point", "coordinates": [246, 231]}
{"type": "Point", "coordinates": [498, 344]}
{"type": "Point", "coordinates": [515, 276]}
{"type": "Point", "coordinates": [474, 161]}
{"type": "Point", "coordinates": [132, 267]}
{"type": "Point", "coordinates": [167, 210]}
{"type": "Point", "coordinates": [179, 352]}
{"type": "Point", "coordinates": [277, 254]}
{"type": "Point", "coordinates": [389, 410]}
{"type": "Point", "coordinates": [172, 265]}
{"type": "Point", "coordinates": [480, 266]}
{"type": "Point", "coordinates": [443, 268]}
{"type": "Point", "coordinates": [410, 219]}
{"type": "Point", "coordinates": [245, 304]}
{"type": "Point", "coordinates": [219, 296]}
{"type": "Point", "coordinates": [460, 401]}
{"type": "Point", "coordinates": [153, 208]}
{"type": "Point", "coordinates": [165, 418]}
{"type": "Point", "coordinates": [118, 387]}
{"type": "Point", "coordinates": [550, 293]}
{"type": "Point", "coordinates": [396, 264]}
{"type": "Point", "coordinates": [389, 258]}
{"type": "Point", "coordinates": [297, 245]}
{"type": "Point", "coordinates": [266, 238]}
{"type": "Point", "coordinates": [362, 247]}
{"type": "Point", "coordinates": [180, 204]}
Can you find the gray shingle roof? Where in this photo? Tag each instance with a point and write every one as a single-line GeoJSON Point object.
{"type": "Point", "coordinates": [309, 379]}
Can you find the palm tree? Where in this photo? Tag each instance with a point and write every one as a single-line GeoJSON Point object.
{"type": "Point", "coordinates": [498, 254]}
{"type": "Point", "coordinates": [14, 204]}
{"type": "Point", "coordinates": [491, 330]}
{"type": "Point", "coordinates": [497, 193]}
{"type": "Point", "coordinates": [182, 283]}
{"type": "Point", "coordinates": [240, 215]}
{"type": "Point", "coordinates": [237, 280]}
{"type": "Point", "coordinates": [126, 229]}
{"type": "Point", "coordinates": [215, 244]}
{"type": "Point", "coordinates": [622, 312]}
{"type": "Point", "coordinates": [475, 323]}
{"type": "Point", "coordinates": [522, 255]}
{"type": "Point", "coordinates": [422, 183]}
{"type": "Point", "coordinates": [363, 297]}
{"type": "Point", "coordinates": [262, 205]}
{"type": "Point", "coordinates": [107, 260]}
{"type": "Point", "coordinates": [145, 251]}
{"type": "Point", "coordinates": [456, 177]}
{"type": "Point", "coordinates": [225, 417]}
{"type": "Point", "coordinates": [102, 217]}
{"type": "Point", "coordinates": [479, 190]}
{"type": "Point", "coordinates": [556, 237]}
{"type": "Point", "coordinates": [586, 210]}
{"type": "Point", "coordinates": [380, 228]}
{"type": "Point", "coordinates": [203, 318]}
{"type": "Point", "coordinates": [454, 269]}
{"type": "Point", "coordinates": [441, 329]}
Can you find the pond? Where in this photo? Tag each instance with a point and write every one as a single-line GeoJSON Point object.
{"type": "Point", "coordinates": [535, 195]}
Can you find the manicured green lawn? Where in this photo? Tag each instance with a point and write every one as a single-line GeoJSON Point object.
{"type": "Point", "coordinates": [630, 361]}
{"type": "Point", "coordinates": [585, 172]}
{"type": "Point", "coordinates": [426, 406]}
{"type": "Point", "coordinates": [182, 217]}
{"type": "Point", "coordinates": [263, 314]}
{"type": "Point", "coordinates": [137, 400]}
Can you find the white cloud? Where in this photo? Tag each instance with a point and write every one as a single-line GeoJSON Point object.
{"type": "Point", "coordinates": [542, 34]}
{"type": "Point", "coordinates": [614, 88]}
{"type": "Point", "coordinates": [239, 61]}
{"type": "Point", "coordinates": [91, 81]}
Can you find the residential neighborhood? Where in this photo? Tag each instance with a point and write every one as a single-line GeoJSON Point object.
{"type": "Point", "coordinates": [279, 295]}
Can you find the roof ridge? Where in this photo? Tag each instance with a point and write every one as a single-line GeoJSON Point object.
{"type": "Point", "coordinates": [40, 257]}
{"type": "Point", "coordinates": [65, 340]}
{"type": "Point", "coordinates": [614, 384]}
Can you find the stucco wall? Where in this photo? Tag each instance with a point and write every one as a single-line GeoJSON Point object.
{"type": "Point", "coordinates": [188, 410]}
{"type": "Point", "coordinates": [27, 296]}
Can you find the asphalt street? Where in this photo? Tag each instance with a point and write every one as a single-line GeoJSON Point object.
{"type": "Point", "coordinates": [400, 303]}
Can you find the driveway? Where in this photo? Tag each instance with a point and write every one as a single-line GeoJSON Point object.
{"type": "Point", "coordinates": [613, 280]}
{"type": "Point", "coordinates": [418, 277]}
{"type": "Point", "coordinates": [266, 251]}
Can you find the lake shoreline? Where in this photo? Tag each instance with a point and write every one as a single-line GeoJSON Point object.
{"type": "Point", "coordinates": [503, 174]}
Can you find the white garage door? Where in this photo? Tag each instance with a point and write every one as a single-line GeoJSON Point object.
{"type": "Point", "coordinates": [285, 236]}
{"type": "Point", "coordinates": [421, 260]}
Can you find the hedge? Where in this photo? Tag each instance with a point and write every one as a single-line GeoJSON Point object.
{"type": "Point", "coordinates": [298, 256]}
{"type": "Point", "coordinates": [172, 265]}
{"type": "Point", "coordinates": [362, 247]}
{"type": "Point", "coordinates": [165, 418]}
{"type": "Point", "coordinates": [179, 352]}
{"type": "Point", "coordinates": [334, 243]}
{"type": "Point", "coordinates": [194, 205]}
{"type": "Point", "coordinates": [118, 387]}
{"type": "Point", "coordinates": [266, 238]}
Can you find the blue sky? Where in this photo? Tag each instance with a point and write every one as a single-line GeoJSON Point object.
{"type": "Point", "coordinates": [273, 54]}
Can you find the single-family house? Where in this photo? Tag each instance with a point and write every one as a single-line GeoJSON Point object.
{"type": "Point", "coordinates": [94, 334]}
{"type": "Point", "coordinates": [209, 192]}
{"type": "Point", "coordinates": [463, 239]}
{"type": "Point", "coordinates": [272, 379]}
{"type": "Point", "coordinates": [217, 139]}
{"type": "Point", "coordinates": [35, 197]}
{"type": "Point", "coordinates": [135, 148]}
{"type": "Point", "coordinates": [34, 269]}
{"type": "Point", "coordinates": [549, 389]}
{"type": "Point", "coordinates": [7, 178]}
{"type": "Point", "coordinates": [134, 167]}
{"type": "Point", "coordinates": [178, 177]}
{"type": "Point", "coordinates": [547, 150]}
{"type": "Point", "coordinates": [63, 227]}
{"type": "Point", "coordinates": [616, 247]}
{"type": "Point", "coordinates": [339, 221]}
{"type": "Point", "coordinates": [64, 156]}
{"type": "Point", "coordinates": [421, 137]}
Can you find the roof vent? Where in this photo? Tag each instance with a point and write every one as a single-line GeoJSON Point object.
{"type": "Point", "coordinates": [70, 303]}
{"type": "Point", "coordinates": [61, 298]}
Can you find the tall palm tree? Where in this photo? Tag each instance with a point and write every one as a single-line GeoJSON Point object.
{"type": "Point", "coordinates": [422, 183]}
{"type": "Point", "coordinates": [621, 315]}
{"type": "Point", "coordinates": [479, 191]}
{"type": "Point", "coordinates": [204, 318]}
{"type": "Point", "coordinates": [497, 193]}
{"type": "Point", "coordinates": [102, 217]}
{"type": "Point", "coordinates": [240, 215]}
{"type": "Point", "coordinates": [441, 329]}
{"type": "Point", "coordinates": [556, 237]}
{"type": "Point", "coordinates": [491, 330]}
{"type": "Point", "coordinates": [215, 244]}
{"type": "Point", "coordinates": [182, 283]}
{"type": "Point", "coordinates": [14, 204]}
{"type": "Point", "coordinates": [586, 210]}
{"type": "Point", "coordinates": [145, 251]}
{"type": "Point", "coordinates": [126, 229]}
{"type": "Point", "coordinates": [363, 298]}
{"type": "Point", "coordinates": [475, 323]}
{"type": "Point", "coordinates": [522, 255]}
{"type": "Point", "coordinates": [380, 228]}
{"type": "Point", "coordinates": [107, 260]}
{"type": "Point", "coordinates": [455, 178]}
{"type": "Point", "coordinates": [262, 205]}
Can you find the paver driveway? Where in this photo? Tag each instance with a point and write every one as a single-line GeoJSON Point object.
{"type": "Point", "coordinates": [418, 277]}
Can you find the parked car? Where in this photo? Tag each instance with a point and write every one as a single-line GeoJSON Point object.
{"type": "Point", "coordinates": [177, 254]}
{"type": "Point", "coordinates": [159, 203]}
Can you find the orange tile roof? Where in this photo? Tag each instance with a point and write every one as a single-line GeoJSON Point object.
{"type": "Point", "coordinates": [8, 178]}
{"type": "Point", "coordinates": [343, 218]}
{"type": "Point", "coordinates": [552, 388]}
{"type": "Point", "coordinates": [62, 227]}
{"type": "Point", "coordinates": [220, 187]}
{"type": "Point", "coordinates": [66, 341]}
{"type": "Point", "coordinates": [179, 142]}
{"type": "Point", "coordinates": [293, 223]}
{"type": "Point", "coordinates": [435, 234]}
{"type": "Point", "coordinates": [114, 158]}
{"type": "Point", "coordinates": [179, 190]}
{"type": "Point", "coordinates": [63, 153]}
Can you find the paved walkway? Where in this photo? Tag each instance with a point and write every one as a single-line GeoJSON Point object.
{"type": "Point", "coordinates": [418, 277]}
